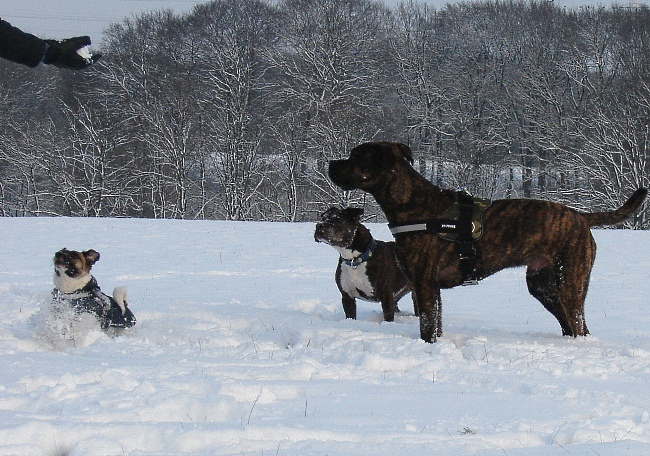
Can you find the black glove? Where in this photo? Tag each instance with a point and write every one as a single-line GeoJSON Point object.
{"type": "Point", "coordinates": [70, 53]}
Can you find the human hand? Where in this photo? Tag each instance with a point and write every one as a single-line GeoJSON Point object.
{"type": "Point", "coordinates": [71, 53]}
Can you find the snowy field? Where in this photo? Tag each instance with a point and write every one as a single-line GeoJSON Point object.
{"type": "Point", "coordinates": [242, 348]}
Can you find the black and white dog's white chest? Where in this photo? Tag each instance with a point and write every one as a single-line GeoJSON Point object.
{"type": "Point", "coordinates": [354, 280]}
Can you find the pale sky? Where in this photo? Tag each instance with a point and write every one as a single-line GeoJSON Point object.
{"type": "Point", "coordinates": [67, 18]}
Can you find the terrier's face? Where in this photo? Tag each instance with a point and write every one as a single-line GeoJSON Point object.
{"type": "Point", "coordinates": [72, 269]}
{"type": "Point", "coordinates": [337, 227]}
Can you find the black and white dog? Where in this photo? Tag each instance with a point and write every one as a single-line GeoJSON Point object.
{"type": "Point", "coordinates": [77, 289]}
{"type": "Point", "coordinates": [368, 269]}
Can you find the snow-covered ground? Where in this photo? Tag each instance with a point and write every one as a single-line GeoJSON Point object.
{"type": "Point", "coordinates": [242, 348]}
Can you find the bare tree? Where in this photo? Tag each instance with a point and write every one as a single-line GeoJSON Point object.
{"type": "Point", "coordinates": [232, 38]}
{"type": "Point", "coordinates": [420, 46]}
{"type": "Point", "coordinates": [234, 109]}
{"type": "Point", "coordinates": [330, 61]}
{"type": "Point", "coordinates": [150, 77]}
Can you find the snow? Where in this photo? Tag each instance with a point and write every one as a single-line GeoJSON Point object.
{"type": "Point", "coordinates": [242, 348]}
{"type": "Point", "coordinates": [85, 53]}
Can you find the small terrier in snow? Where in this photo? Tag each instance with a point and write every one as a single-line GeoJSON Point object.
{"type": "Point", "coordinates": [368, 269]}
{"type": "Point", "coordinates": [76, 288]}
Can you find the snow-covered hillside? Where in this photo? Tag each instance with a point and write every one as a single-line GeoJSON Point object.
{"type": "Point", "coordinates": [242, 348]}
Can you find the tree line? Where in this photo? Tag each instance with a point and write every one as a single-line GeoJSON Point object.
{"type": "Point", "coordinates": [233, 110]}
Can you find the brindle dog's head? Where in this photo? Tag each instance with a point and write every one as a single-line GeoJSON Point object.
{"type": "Point", "coordinates": [373, 166]}
{"type": "Point", "coordinates": [337, 227]}
{"type": "Point", "coordinates": [72, 269]}
{"type": "Point", "coordinates": [369, 165]}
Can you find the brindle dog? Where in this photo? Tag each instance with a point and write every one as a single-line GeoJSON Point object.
{"type": "Point", "coordinates": [552, 240]}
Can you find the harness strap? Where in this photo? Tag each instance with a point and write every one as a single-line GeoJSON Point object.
{"type": "Point", "coordinates": [462, 227]}
{"type": "Point", "coordinates": [465, 244]}
{"type": "Point", "coordinates": [73, 295]}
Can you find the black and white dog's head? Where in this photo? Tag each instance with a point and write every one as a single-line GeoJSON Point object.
{"type": "Point", "coordinates": [72, 269]}
{"type": "Point", "coordinates": [74, 285]}
{"type": "Point", "coordinates": [337, 227]}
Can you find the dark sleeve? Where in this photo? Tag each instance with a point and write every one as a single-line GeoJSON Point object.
{"type": "Point", "coordinates": [20, 47]}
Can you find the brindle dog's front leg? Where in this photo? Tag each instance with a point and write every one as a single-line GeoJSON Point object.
{"type": "Point", "coordinates": [438, 300]}
{"type": "Point", "coordinates": [430, 306]}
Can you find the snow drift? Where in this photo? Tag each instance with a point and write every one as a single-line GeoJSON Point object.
{"type": "Point", "coordinates": [242, 348]}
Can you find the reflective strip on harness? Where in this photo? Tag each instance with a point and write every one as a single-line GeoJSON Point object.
{"type": "Point", "coordinates": [461, 224]}
{"type": "Point", "coordinates": [408, 228]}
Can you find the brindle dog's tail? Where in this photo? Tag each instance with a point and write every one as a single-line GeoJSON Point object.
{"type": "Point", "coordinates": [619, 215]}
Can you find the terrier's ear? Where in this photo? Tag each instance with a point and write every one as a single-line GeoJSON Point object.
{"type": "Point", "coordinates": [330, 214]}
{"type": "Point", "coordinates": [91, 256]}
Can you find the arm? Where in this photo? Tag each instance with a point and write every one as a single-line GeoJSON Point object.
{"type": "Point", "coordinates": [20, 47]}
{"type": "Point", "coordinates": [27, 49]}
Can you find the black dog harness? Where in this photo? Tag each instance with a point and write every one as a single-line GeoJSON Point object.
{"type": "Point", "coordinates": [365, 256]}
{"type": "Point", "coordinates": [461, 224]}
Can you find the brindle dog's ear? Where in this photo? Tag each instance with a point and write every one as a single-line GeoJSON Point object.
{"type": "Point", "coordinates": [406, 152]}
{"type": "Point", "coordinates": [355, 213]}
{"type": "Point", "coordinates": [91, 256]}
